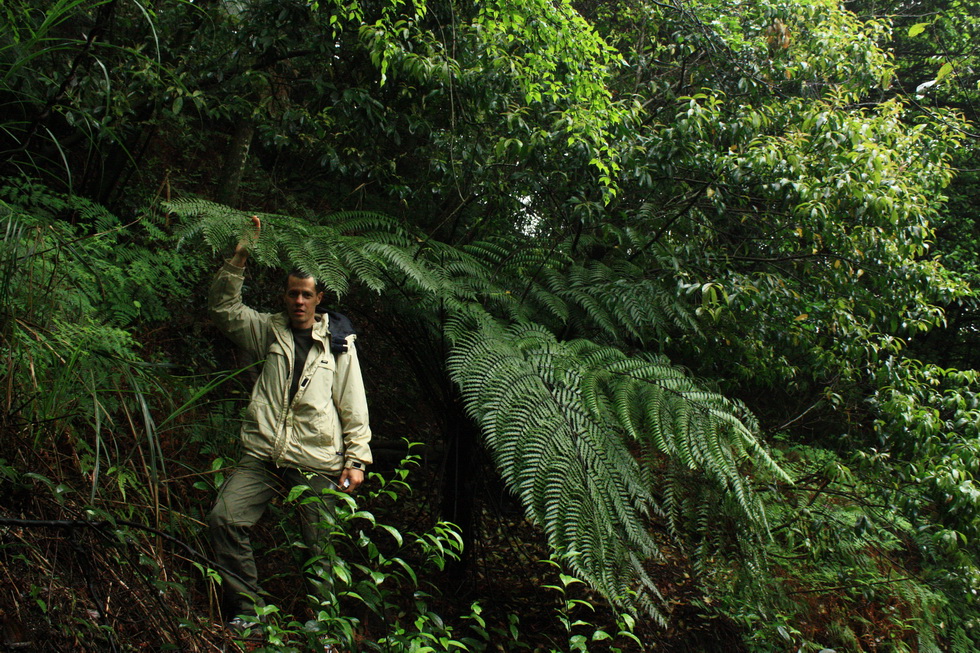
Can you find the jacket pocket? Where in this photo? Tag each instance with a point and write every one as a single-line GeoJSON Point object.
{"type": "Point", "coordinates": [316, 417]}
{"type": "Point", "coordinates": [260, 425]}
{"type": "Point", "coordinates": [275, 370]}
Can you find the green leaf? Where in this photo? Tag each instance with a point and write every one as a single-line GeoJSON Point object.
{"type": "Point", "coordinates": [917, 29]}
{"type": "Point", "coordinates": [296, 491]}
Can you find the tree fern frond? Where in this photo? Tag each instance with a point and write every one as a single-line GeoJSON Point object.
{"type": "Point", "coordinates": [368, 246]}
{"type": "Point", "coordinates": [362, 266]}
{"type": "Point", "coordinates": [369, 224]}
{"type": "Point", "coordinates": [492, 253]}
{"type": "Point", "coordinates": [616, 298]}
{"type": "Point", "coordinates": [517, 257]}
{"type": "Point", "coordinates": [219, 224]}
{"type": "Point", "coordinates": [316, 256]}
{"type": "Point", "coordinates": [552, 303]}
{"type": "Point", "coordinates": [425, 279]}
{"type": "Point", "coordinates": [557, 417]}
{"type": "Point", "coordinates": [497, 384]}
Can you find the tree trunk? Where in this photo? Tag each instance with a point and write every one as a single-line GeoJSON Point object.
{"type": "Point", "coordinates": [234, 168]}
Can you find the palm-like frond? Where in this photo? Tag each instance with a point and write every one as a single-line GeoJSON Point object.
{"type": "Point", "coordinates": [613, 296]}
{"type": "Point", "coordinates": [368, 246]}
{"type": "Point", "coordinates": [558, 418]}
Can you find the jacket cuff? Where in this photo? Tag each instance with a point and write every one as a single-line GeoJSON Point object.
{"type": "Point", "coordinates": [234, 269]}
{"type": "Point", "coordinates": [351, 463]}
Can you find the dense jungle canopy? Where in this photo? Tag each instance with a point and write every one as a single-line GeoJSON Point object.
{"type": "Point", "coordinates": [667, 312]}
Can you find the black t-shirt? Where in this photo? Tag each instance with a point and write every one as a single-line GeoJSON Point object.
{"type": "Point", "coordinates": [302, 343]}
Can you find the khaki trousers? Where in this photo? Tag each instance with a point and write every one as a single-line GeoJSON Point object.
{"type": "Point", "coordinates": [241, 502]}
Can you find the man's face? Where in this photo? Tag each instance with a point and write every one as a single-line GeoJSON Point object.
{"type": "Point", "coordinates": [301, 299]}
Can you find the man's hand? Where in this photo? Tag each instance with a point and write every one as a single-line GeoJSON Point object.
{"type": "Point", "coordinates": [246, 243]}
{"type": "Point", "coordinates": [350, 479]}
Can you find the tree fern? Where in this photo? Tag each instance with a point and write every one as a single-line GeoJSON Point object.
{"type": "Point", "coordinates": [575, 481]}
{"type": "Point", "coordinates": [562, 419]}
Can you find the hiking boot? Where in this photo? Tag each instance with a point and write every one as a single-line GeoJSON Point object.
{"type": "Point", "coordinates": [242, 627]}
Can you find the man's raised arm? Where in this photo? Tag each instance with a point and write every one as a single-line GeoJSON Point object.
{"type": "Point", "coordinates": [240, 256]}
{"type": "Point", "coordinates": [243, 325]}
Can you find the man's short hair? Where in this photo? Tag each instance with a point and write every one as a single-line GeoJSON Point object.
{"type": "Point", "coordinates": [301, 274]}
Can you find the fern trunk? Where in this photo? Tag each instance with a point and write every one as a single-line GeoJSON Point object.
{"type": "Point", "coordinates": [459, 487]}
{"type": "Point", "coordinates": [234, 168]}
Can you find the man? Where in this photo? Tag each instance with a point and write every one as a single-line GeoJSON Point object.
{"type": "Point", "coordinates": [306, 424]}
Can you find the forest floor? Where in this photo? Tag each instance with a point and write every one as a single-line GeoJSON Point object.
{"type": "Point", "coordinates": [85, 588]}
{"type": "Point", "coordinates": [507, 572]}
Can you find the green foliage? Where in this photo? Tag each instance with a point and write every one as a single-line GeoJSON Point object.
{"type": "Point", "coordinates": [86, 462]}
{"type": "Point", "coordinates": [376, 570]}
{"type": "Point", "coordinates": [805, 223]}
{"type": "Point", "coordinates": [935, 47]}
{"type": "Point", "coordinates": [834, 574]}
{"type": "Point", "coordinates": [58, 84]}
{"type": "Point", "coordinates": [571, 607]}
{"type": "Point", "coordinates": [760, 193]}
{"type": "Point", "coordinates": [74, 285]}
{"type": "Point", "coordinates": [927, 433]}
{"type": "Point", "coordinates": [537, 41]}
{"type": "Point", "coordinates": [822, 242]}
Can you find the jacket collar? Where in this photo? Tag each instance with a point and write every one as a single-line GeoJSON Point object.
{"type": "Point", "coordinates": [280, 327]}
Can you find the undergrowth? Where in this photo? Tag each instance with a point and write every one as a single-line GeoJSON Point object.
{"type": "Point", "coordinates": [843, 570]}
{"type": "Point", "coordinates": [113, 453]}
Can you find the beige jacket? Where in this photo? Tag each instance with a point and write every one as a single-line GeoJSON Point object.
{"type": "Point", "coordinates": [325, 428]}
